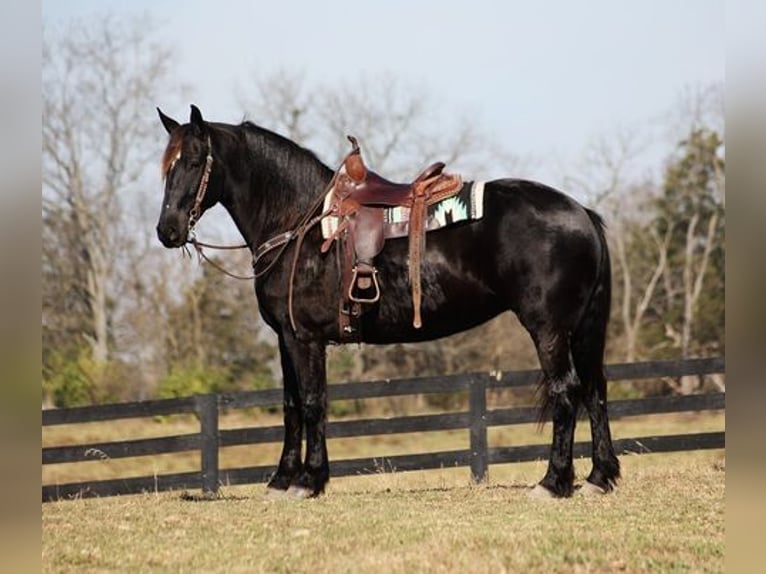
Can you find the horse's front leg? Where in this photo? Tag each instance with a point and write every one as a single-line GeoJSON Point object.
{"type": "Point", "coordinates": [290, 462]}
{"type": "Point", "coordinates": [308, 359]}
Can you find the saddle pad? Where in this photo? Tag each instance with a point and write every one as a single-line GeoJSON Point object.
{"type": "Point", "coordinates": [466, 205]}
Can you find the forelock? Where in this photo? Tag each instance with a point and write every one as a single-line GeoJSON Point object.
{"type": "Point", "coordinates": [172, 151]}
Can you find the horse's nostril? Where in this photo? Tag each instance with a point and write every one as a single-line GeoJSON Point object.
{"type": "Point", "coordinates": [169, 235]}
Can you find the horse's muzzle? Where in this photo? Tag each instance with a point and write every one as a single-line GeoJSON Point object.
{"type": "Point", "coordinates": [171, 235]}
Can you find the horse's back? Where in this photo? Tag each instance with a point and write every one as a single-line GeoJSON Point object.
{"type": "Point", "coordinates": [535, 251]}
{"type": "Point", "coordinates": [551, 251]}
{"type": "Point", "coordinates": [539, 226]}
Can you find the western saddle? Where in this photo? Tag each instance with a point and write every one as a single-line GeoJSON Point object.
{"type": "Point", "coordinates": [358, 199]}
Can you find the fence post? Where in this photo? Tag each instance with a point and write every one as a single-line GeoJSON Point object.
{"type": "Point", "coordinates": [477, 403]}
{"type": "Point", "coordinates": [207, 410]}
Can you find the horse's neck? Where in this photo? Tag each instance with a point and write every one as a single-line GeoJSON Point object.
{"type": "Point", "coordinates": [277, 192]}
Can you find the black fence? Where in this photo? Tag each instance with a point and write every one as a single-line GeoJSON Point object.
{"type": "Point", "coordinates": [476, 420]}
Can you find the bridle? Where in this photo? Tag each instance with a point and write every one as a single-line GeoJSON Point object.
{"type": "Point", "coordinates": [196, 209]}
{"type": "Point", "coordinates": [196, 212]}
{"type": "Point", "coordinates": [280, 241]}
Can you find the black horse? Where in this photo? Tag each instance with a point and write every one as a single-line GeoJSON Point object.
{"type": "Point", "coordinates": [535, 251]}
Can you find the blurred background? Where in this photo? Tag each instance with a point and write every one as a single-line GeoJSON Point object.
{"type": "Point", "coordinates": [619, 105]}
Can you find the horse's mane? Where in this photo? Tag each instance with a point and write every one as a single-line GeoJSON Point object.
{"type": "Point", "coordinates": [287, 146]}
{"type": "Point", "coordinates": [282, 149]}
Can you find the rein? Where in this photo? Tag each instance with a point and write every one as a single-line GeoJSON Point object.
{"type": "Point", "coordinates": [198, 245]}
{"type": "Point", "coordinates": [282, 240]}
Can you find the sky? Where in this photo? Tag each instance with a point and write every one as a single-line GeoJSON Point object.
{"type": "Point", "coordinates": [542, 78]}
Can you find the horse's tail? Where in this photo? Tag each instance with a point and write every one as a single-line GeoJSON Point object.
{"type": "Point", "coordinates": [587, 345]}
{"type": "Point", "coordinates": [589, 337]}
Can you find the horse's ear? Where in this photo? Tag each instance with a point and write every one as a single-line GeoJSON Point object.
{"type": "Point", "coordinates": [169, 123]}
{"type": "Point", "coordinates": [196, 117]}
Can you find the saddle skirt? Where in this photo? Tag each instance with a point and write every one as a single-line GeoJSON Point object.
{"type": "Point", "coordinates": [466, 205]}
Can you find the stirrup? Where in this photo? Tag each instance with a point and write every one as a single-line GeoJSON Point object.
{"type": "Point", "coordinates": [352, 284]}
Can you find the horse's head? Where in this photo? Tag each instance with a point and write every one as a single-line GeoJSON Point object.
{"type": "Point", "coordinates": [186, 166]}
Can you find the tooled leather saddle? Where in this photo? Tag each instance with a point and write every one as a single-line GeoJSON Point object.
{"type": "Point", "coordinates": [358, 198]}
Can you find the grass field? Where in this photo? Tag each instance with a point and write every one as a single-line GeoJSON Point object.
{"type": "Point", "coordinates": [667, 515]}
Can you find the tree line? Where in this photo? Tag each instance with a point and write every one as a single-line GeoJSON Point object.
{"type": "Point", "coordinates": [124, 319]}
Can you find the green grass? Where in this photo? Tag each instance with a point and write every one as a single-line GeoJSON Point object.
{"type": "Point", "coordinates": [667, 516]}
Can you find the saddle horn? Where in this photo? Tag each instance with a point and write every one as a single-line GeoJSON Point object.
{"type": "Point", "coordinates": [355, 167]}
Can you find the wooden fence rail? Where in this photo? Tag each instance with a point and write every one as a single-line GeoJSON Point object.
{"type": "Point", "coordinates": [210, 439]}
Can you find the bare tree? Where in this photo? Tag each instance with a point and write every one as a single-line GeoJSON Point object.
{"type": "Point", "coordinates": [399, 125]}
{"type": "Point", "coordinates": [636, 299]}
{"type": "Point", "coordinates": [99, 85]}
{"type": "Point", "coordinates": [665, 237]}
{"type": "Point", "coordinates": [285, 101]}
{"type": "Point", "coordinates": [639, 248]}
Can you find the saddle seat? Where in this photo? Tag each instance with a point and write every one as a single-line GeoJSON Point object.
{"type": "Point", "coordinates": [358, 199]}
{"type": "Point", "coordinates": [375, 190]}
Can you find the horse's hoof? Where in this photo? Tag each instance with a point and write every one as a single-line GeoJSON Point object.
{"type": "Point", "coordinates": [589, 489]}
{"type": "Point", "coordinates": [541, 493]}
{"type": "Point", "coordinates": [274, 493]}
{"type": "Point", "coordinates": [299, 492]}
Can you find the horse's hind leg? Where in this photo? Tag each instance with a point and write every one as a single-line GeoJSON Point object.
{"type": "Point", "coordinates": [560, 398]}
{"type": "Point", "coordinates": [606, 466]}
{"type": "Point", "coordinates": [588, 342]}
